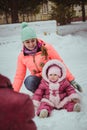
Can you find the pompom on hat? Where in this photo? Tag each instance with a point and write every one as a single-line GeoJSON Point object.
{"type": "Point", "coordinates": [27, 32]}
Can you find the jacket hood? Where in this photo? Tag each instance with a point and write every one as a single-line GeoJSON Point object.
{"type": "Point", "coordinates": [57, 63]}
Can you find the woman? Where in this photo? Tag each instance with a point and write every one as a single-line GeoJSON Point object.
{"type": "Point", "coordinates": [34, 55]}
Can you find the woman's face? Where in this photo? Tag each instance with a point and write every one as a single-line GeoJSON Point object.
{"type": "Point", "coordinates": [30, 44]}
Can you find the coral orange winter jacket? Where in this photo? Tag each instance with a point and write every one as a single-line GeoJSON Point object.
{"type": "Point", "coordinates": [34, 63]}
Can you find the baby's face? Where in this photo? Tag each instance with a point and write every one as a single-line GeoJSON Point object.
{"type": "Point", "coordinates": [53, 77]}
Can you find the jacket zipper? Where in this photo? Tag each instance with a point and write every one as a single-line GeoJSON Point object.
{"type": "Point", "coordinates": [35, 63]}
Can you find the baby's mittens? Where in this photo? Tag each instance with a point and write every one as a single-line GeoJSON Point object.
{"type": "Point", "coordinates": [36, 103]}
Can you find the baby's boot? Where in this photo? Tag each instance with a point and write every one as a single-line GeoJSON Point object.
{"type": "Point", "coordinates": [77, 107]}
{"type": "Point", "coordinates": [43, 113]}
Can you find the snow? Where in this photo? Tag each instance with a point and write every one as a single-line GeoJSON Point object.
{"type": "Point", "coordinates": [71, 44]}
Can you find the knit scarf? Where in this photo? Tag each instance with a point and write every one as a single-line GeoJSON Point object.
{"type": "Point", "coordinates": [31, 52]}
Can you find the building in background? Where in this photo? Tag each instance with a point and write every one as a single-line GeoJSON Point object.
{"type": "Point", "coordinates": [44, 14]}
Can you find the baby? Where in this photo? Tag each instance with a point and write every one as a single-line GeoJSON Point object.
{"type": "Point", "coordinates": [55, 91]}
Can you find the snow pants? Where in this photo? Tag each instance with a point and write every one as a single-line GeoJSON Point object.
{"type": "Point", "coordinates": [69, 107]}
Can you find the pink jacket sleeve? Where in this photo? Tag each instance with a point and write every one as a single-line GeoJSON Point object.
{"type": "Point", "coordinates": [38, 95]}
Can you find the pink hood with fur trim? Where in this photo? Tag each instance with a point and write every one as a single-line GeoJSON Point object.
{"type": "Point", "coordinates": [53, 63]}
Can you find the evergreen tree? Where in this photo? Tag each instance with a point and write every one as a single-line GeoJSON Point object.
{"type": "Point", "coordinates": [69, 3]}
{"type": "Point", "coordinates": [13, 7]}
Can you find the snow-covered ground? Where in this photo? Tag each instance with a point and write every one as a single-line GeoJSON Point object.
{"type": "Point", "coordinates": [71, 44]}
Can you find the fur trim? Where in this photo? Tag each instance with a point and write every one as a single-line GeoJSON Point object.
{"type": "Point", "coordinates": [54, 86]}
{"type": "Point", "coordinates": [67, 99]}
{"type": "Point", "coordinates": [63, 102]}
{"type": "Point", "coordinates": [36, 103]}
{"type": "Point", "coordinates": [57, 63]}
{"type": "Point", "coordinates": [47, 101]}
{"type": "Point", "coordinates": [73, 96]}
{"type": "Point", "coordinates": [54, 99]}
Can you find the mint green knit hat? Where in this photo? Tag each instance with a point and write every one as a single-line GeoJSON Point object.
{"type": "Point", "coordinates": [27, 32]}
